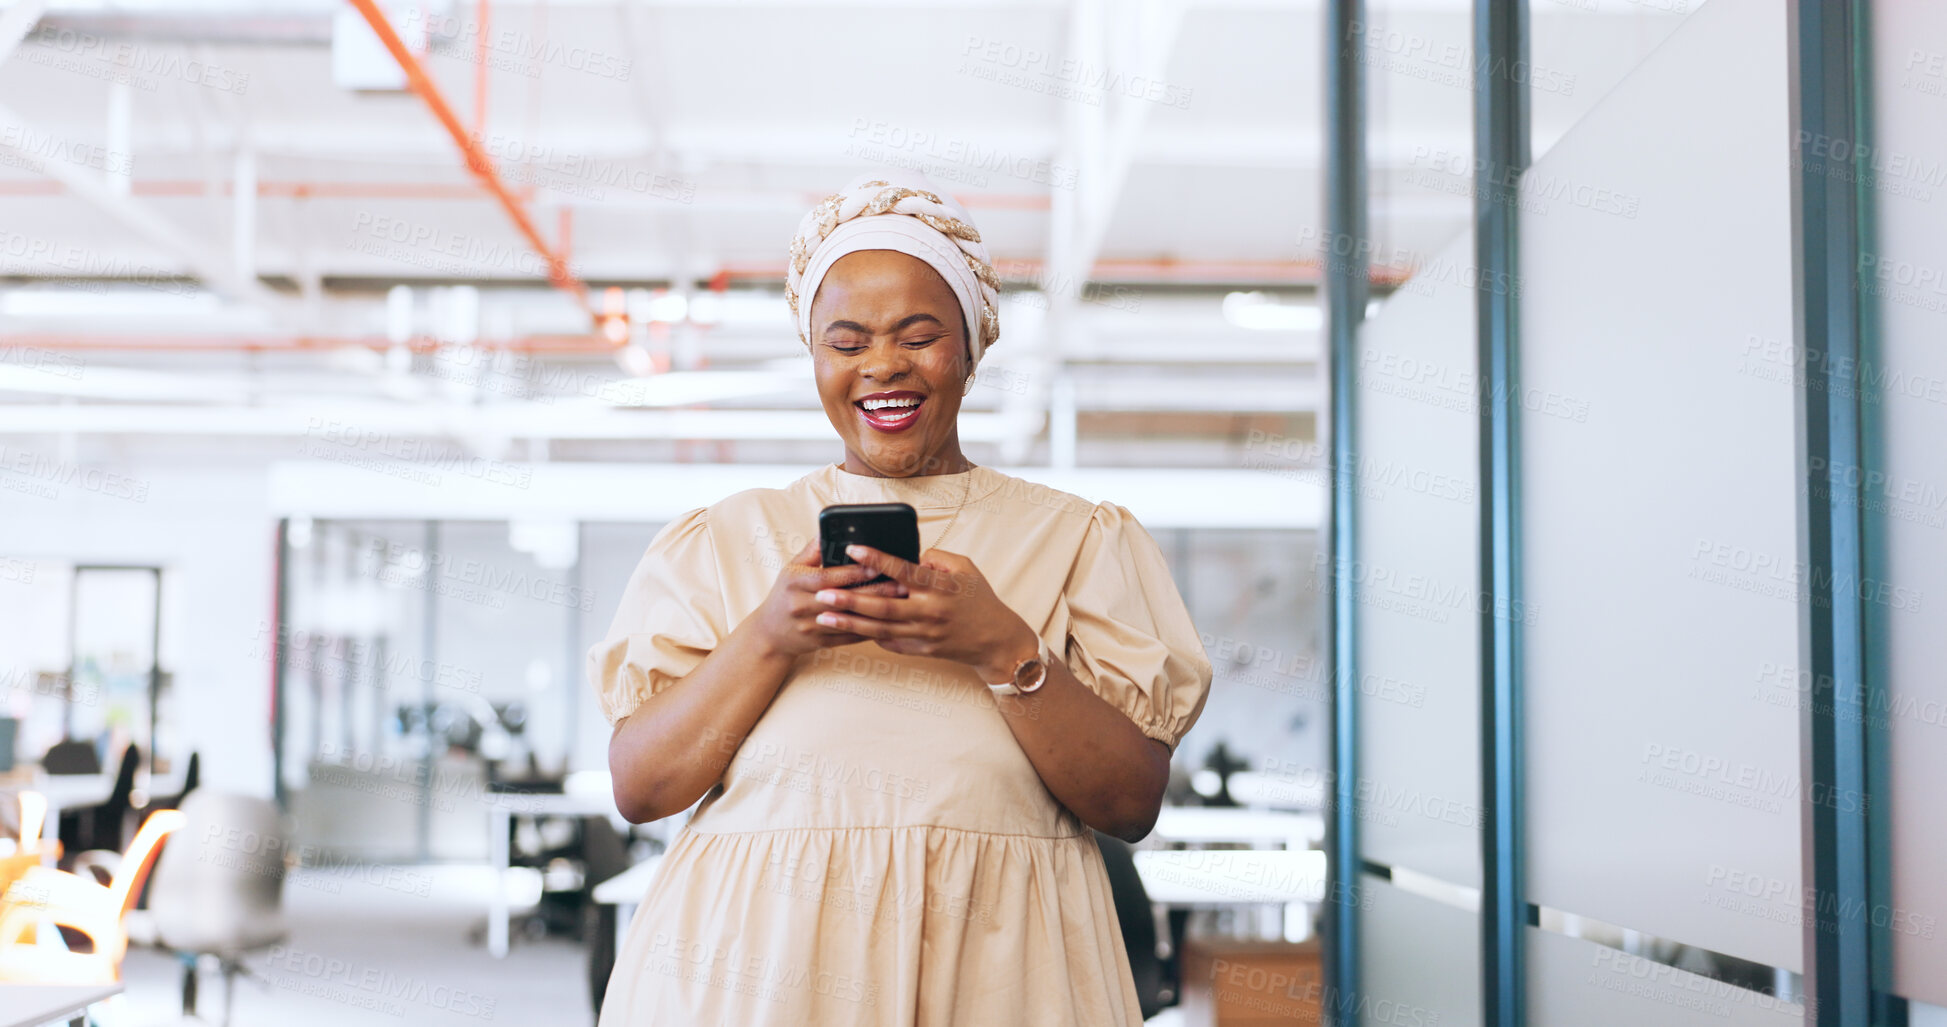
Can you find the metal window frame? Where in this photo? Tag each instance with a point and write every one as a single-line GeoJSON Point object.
{"type": "Point", "coordinates": [1346, 288]}
{"type": "Point", "coordinates": [1842, 637]}
{"type": "Point", "coordinates": [1501, 156]}
{"type": "Point", "coordinates": [1847, 980]}
{"type": "Point", "coordinates": [280, 660]}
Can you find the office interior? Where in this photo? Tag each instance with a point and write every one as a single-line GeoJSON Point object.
{"type": "Point", "coordinates": [1539, 405]}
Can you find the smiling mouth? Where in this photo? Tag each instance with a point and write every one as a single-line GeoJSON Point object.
{"type": "Point", "coordinates": [890, 412]}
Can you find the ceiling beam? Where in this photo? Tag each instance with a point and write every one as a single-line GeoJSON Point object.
{"type": "Point", "coordinates": [19, 137]}
{"type": "Point", "coordinates": [15, 22]}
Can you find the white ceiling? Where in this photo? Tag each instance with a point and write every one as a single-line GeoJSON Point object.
{"type": "Point", "coordinates": [730, 120]}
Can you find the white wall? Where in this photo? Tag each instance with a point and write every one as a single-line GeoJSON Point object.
{"type": "Point", "coordinates": [213, 535]}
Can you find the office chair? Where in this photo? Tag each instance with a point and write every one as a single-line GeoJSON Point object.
{"type": "Point", "coordinates": [215, 896]}
{"type": "Point", "coordinates": [71, 756]}
{"type": "Point", "coordinates": [107, 822]}
{"type": "Point", "coordinates": [1155, 988]}
{"type": "Point", "coordinates": [76, 903]}
{"type": "Point", "coordinates": [101, 827]}
{"type": "Point", "coordinates": [192, 776]}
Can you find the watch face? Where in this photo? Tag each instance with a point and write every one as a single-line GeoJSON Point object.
{"type": "Point", "coordinates": [1029, 675]}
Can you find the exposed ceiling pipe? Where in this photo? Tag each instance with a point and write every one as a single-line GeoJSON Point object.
{"type": "Point", "coordinates": [566, 345]}
{"type": "Point", "coordinates": [366, 190]}
{"type": "Point", "coordinates": [274, 189]}
{"type": "Point", "coordinates": [481, 67]}
{"type": "Point", "coordinates": [477, 159]}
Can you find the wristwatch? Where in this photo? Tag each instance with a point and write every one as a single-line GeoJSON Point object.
{"type": "Point", "coordinates": [1029, 674]}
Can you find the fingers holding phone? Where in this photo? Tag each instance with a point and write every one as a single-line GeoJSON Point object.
{"type": "Point", "coordinates": [788, 618]}
{"type": "Point", "coordinates": [888, 527]}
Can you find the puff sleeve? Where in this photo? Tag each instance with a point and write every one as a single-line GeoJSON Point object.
{"type": "Point", "coordinates": [1130, 638]}
{"type": "Point", "coordinates": [671, 616]}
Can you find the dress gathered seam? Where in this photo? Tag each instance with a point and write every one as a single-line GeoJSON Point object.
{"type": "Point", "coordinates": [885, 827]}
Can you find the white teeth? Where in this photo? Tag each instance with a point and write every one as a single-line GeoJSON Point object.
{"type": "Point", "coordinates": [881, 404]}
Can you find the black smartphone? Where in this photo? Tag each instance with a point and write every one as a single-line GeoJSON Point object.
{"type": "Point", "coordinates": [888, 527]}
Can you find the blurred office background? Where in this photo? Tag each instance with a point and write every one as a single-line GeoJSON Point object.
{"type": "Point", "coordinates": [337, 404]}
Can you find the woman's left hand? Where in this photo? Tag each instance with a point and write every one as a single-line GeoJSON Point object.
{"type": "Point", "coordinates": [949, 612]}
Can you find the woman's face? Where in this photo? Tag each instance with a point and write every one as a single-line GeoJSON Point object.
{"type": "Point", "coordinates": [889, 351]}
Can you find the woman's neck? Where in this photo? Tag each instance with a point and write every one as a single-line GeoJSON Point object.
{"type": "Point", "coordinates": [949, 460]}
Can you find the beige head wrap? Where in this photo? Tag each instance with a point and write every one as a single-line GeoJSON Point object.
{"type": "Point", "coordinates": [903, 211]}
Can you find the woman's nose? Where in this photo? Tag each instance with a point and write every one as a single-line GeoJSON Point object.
{"type": "Point", "coordinates": [884, 363]}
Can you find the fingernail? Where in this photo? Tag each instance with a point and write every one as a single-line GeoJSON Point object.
{"type": "Point", "coordinates": [855, 552]}
{"type": "Point", "coordinates": [828, 596]}
{"type": "Point", "coordinates": [828, 619]}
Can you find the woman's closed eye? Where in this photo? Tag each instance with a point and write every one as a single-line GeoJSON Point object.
{"type": "Point", "coordinates": [849, 347]}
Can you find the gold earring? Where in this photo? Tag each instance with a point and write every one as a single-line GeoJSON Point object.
{"type": "Point", "coordinates": [968, 388]}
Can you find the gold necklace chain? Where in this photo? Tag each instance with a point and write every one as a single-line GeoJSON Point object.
{"type": "Point", "coordinates": [955, 519]}
{"type": "Point", "coordinates": [965, 496]}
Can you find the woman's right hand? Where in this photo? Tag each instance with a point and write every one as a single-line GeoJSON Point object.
{"type": "Point", "coordinates": [788, 619]}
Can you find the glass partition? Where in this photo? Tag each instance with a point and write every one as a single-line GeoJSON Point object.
{"type": "Point", "coordinates": [425, 662]}
{"type": "Point", "coordinates": [1660, 501]}
{"type": "Point", "coordinates": [1906, 388]}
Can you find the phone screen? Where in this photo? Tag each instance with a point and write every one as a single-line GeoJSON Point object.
{"type": "Point", "coordinates": [888, 527]}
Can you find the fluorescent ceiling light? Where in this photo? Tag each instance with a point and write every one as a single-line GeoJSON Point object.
{"type": "Point", "coordinates": [671, 307]}
{"type": "Point", "coordinates": [1256, 311]}
{"type": "Point", "coordinates": [684, 388]}
{"type": "Point", "coordinates": [106, 302]}
{"type": "Point", "coordinates": [706, 308]}
{"type": "Point", "coordinates": [72, 376]}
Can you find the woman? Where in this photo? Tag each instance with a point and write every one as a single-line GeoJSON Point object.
{"type": "Point", "coordinates": [884, 838]}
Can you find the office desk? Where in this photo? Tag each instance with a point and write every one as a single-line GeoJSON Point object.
{"type": "Point", "coordinates": [624, 891]}
{"type": "Point", "coordinates": [30, 1005]}
{"type": "Point", "coordinates": [71, 791]}
{"type": "Point", "coordinates": [1279, 791]}
{"type": "Point", "coordinates": [1229, 877]}
{"type": "Point", "coordinates": [502, 808]}
{"type": "Point", "coordinates": [1292, 880]}
{"type": "Point", "coordinates": [62, 792]}
{"type": "Point", "coordinates": [1233, 824]}
{"type": "Point", "coordinates": [81, 791]}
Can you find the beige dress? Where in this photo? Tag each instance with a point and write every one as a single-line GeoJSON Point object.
{"type": "Point", "coordinates": [880, 851]}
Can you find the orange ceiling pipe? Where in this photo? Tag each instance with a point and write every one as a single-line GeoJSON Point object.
{"type": "Point", "coordinates": [417, 191]}
{"type": "Point", "coordinates": [562, 344]}
{"type": "Point", "coordinates": [186, 187]}
{"type": "Point", "coordinates": [477, 160]}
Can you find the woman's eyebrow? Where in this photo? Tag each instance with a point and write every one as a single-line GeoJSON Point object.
{"type": "Point", "coordinates": [905, 322]}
